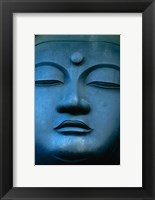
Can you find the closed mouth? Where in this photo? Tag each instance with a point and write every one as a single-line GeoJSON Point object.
{"type": "Point", "coordinates": [73, 127]}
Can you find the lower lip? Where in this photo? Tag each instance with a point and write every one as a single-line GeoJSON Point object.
{"type": "Point", "coordinates": [73, 131]}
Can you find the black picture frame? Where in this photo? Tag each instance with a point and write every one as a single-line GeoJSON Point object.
{"type": "Point", "coordinates": [7, 8]}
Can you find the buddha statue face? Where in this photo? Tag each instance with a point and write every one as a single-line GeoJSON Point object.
{"type": "Point", "coordinates": [77, 102]}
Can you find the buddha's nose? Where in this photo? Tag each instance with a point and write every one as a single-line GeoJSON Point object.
{"type": "Point", "coordinates": [73, 103]}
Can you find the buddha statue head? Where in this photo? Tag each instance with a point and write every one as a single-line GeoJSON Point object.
{"type": "Point", "coordinates": [77, 99]}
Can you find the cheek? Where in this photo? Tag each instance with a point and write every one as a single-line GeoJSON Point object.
{"type": "Point", "coordinates": [104, 103]}
{"type": "Point", "coordinates": [45, 110]}
{"type": "Point", "coordinates": [105, 115]}
{"type": "Point", "coordinates": [45, 101]}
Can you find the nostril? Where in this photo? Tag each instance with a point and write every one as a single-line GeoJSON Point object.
{"type": "Point", "coordinates": [71, 110]}
{"type": "Point", "coordinates": [75, 108]}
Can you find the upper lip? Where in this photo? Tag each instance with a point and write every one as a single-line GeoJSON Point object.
{"type": "Point", "coordinates": [73, 123]}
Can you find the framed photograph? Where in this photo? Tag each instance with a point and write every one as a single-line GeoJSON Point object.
{"type": "Point", "coordinates": [77, 99]}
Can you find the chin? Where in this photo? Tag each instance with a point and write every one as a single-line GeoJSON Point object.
{"type": "Point", "coordinates": [84, 158]}
{"type": "Point", "coordinates": [70, 155]}
{"type": "Point", "coordinates": [70, 160]}
{"type": "Point", "coordinates": [75, 155]}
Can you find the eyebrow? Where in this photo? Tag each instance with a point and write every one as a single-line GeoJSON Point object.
{"type": "Point", "coordinates": [52, 64]}
{"type": "Point", "coordinates": [105, 65]}
{"type": "Point", "coordinates": [98, 66]}
{"type": "Point", "coordinates": [85, 72]}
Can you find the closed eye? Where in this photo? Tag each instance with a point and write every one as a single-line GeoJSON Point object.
{"type": "Point", "coordinates": [46, 83]}
{"type": "Point", "coordinates": [106, 85]}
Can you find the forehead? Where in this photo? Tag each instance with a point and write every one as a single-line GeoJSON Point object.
{"type": "Point", "coordinates": [93, 52]}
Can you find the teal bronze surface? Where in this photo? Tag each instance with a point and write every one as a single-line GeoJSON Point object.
{"type": "Point", "coordinates": [77, 100]}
